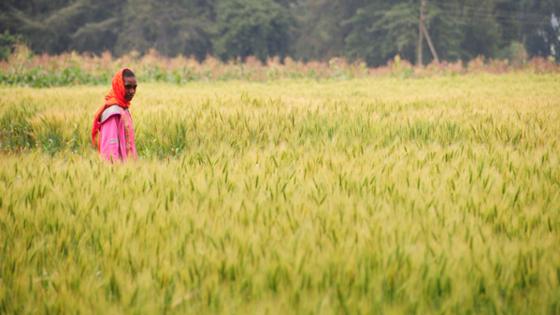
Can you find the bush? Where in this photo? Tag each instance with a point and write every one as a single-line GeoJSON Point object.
{"type": "Point", "coordinates": [515, 53]}
{"type": "Point", "coordinates": [7, 44]}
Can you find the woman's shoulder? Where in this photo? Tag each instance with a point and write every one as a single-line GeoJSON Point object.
{"type": "Point", "coordinates": [110, 112]}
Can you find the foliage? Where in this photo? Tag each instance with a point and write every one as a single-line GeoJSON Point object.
{"type": "Point", "coordinates": [394, 25]}
{"type": "Point", "coordinates": [372, 30]}
{"type": "Point", "coordinates": [7, 44]}
{"type": "Point", "coordinates": [319, 31]}
{"type": "Point", "coordinates": [171, 27]}
{"type": "Point", "coordinates": [251, 28]}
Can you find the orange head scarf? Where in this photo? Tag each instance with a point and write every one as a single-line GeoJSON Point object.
{"type": "Point", "coordinates": [114, 97]}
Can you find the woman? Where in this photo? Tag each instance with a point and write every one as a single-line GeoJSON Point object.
{"type": "Point", "coordinates": [113, 121]}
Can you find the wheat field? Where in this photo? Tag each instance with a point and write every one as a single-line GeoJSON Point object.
{"type": "Point", "coordinates": [385, 195]}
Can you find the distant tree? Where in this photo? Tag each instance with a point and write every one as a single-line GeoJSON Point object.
{"type": "Point", "coordinates": [170, 26]}
{"type": "Point", "coordinates": [481, 31]}
{"type": "Point", "coordinates": [7, 44]}
{"type": "Point", "coordinates": [380, 30]}
{"type": "Point", "coordinates": [494, 28]}
{"type": "Point", "coordinates": [372, 30]}
{"type": "Point", "coordinates": [446, 31]}
{"type": "Point", "coordinates": [46, 25]}
{"type": "Point", "coordinates": [251, 28]}
{"type": "Point", "coordinates": [539, 24]}
{"type": "Point", "coordinates": [319, 32]}
{"type": "Point", "coordinates": [460, 29]}
{"type": "Point", "coordinates": [100, 30]}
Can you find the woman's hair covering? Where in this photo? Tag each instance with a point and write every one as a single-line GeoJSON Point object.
{"type": "Point", "coordinates": [127, 73]}
{"type": "Point", "coordinates": [116, 96]}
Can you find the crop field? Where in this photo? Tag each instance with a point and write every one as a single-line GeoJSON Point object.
{"type": "Point", "coordinates": [379, 195]}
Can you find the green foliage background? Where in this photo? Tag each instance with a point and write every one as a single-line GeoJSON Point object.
{"type": "Point", "coordinates": [372, 30]}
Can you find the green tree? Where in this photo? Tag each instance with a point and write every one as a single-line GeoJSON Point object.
{"type": "Point", "coordinates": [380, 30]}
{"type": "Point", "coordinates": [251, 28]}
{"type": "Point", "coordinates": [319, 30]}
{"type": "Point", "coordinates": [459, 29]}
{"type": "Point", "coordinates": [47, 25]}
{"type": "Point", "coordinates": [170, 26]}
{"type": "Point", "coordinates": [372, 30]}
{"type": "Point", "coordinates": [7, 44]}
{"type": "Point", "coordinates": [539, 27]}
{"type": "Point", "coordinates": [477, 24]}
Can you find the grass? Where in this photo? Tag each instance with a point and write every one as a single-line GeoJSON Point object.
{"type": "Point", "coordinates": [387, 196]}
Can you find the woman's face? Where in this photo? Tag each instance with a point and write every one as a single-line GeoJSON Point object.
{"type": "Point", "coordinates": [129, 88]}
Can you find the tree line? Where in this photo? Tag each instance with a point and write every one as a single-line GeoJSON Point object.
{"type": "Point", "coordinates": [369, 30]}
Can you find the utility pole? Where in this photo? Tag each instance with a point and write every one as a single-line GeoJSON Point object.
{"type": "Point", "coordinates": [420, 34]}
{"type": "Point", "coordinates": [430, 44]}
{"type": "Point", "coordinates": [422, 31]}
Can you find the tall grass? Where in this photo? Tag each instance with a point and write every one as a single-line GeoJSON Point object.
{"type": "Point", "coordinates": [431, 196]}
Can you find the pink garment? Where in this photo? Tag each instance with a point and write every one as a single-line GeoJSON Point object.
{"type": "Point", "coordinates": [117, 137]}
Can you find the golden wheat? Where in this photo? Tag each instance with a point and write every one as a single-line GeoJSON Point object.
{"type": "Point", "coordinates": [387, 196]}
